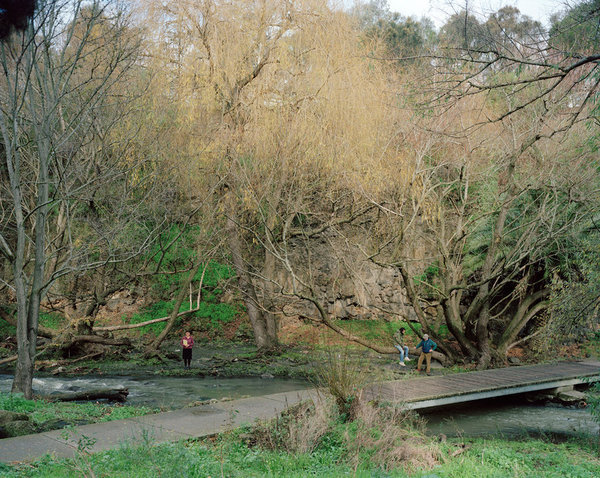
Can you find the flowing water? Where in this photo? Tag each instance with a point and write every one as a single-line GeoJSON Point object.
{"type": "Point", "coordinates": [510, 418]}
{"type": "Point", "coordinates": [160, 391]}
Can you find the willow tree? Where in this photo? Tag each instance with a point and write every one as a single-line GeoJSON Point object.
{"type": "Point", "coordinates": [281, 108]}
{"type": "Point", "coordinates": [61, 170]}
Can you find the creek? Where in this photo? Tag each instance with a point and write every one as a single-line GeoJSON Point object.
{"type": "Point", "coordinates": [164, 391]}
{"type": "Point", "coordinates": [505, 417]}
{"type": "Point", "coordinates": [511, 417]}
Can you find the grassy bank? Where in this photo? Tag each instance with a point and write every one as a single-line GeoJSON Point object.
{"type": "Point", "coordinates": [41, 412]}
{"type": "Point", "coordinates": [232, 456]}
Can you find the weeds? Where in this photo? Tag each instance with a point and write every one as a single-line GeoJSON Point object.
{"type": "Point", "coordinates": [297, 430]}
{"type": "Point", "coordinates": [344, 376]}
{"type": "Point", "coordinates": [342, 423]}
{"type": "Point", "coordinates": [81, 463]}
{"type": "Point", "coordinates": [389, 438]}
{"type": "Point", "coordinates": [385, 437]}
{"type": "Point", "coordinates": [593, 399]}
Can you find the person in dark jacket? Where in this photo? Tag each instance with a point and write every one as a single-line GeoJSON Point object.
{"type": "Point", "coordinates": [187, 342]}
{"type": "Point", "coordinates": [427, 347]}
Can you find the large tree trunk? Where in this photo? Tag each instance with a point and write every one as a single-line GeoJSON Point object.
{"type": "Point", "coordinates": [28, 308]}
{"type": "Point", "coordinates": [451, 312]}
{"type": "Point", "coordinates": [272, 324]}
{"type": "Point", "coordinates": [259, 325]}
{"type": "Point", "coordinates": [528, 308]}
{"type": "Point", "coordinates": [269, 264]}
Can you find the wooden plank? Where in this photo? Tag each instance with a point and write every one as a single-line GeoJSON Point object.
{"type": "Point", "coordinates": [486, 381]}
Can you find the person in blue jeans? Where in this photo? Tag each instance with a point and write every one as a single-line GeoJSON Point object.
{"type": "Point", "coordinates": [401, 346]}
{"type": "Point", "coordinates": [427, 347]}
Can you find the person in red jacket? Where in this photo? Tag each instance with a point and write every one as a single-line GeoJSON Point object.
{"type": "Point", "coordinates": [187, 342]}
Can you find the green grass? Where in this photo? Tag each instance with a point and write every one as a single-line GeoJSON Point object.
{"type": "Point", "coordinates": [6, 329]}
{"type": "Point", "coordinates": [381, 331]}
{"type": "Point", "coordinates": [51, 320]}
{"type": "Point", "coordinates": [40, 411]}
{"type": "Point", "coordinates": [376, 330]}
{"type": "Point", "coordinates": [523, 458]}
{"type": "Point", "coordinates": [230, 456]}
{"type": "Point", "coordinates": [210, 317]}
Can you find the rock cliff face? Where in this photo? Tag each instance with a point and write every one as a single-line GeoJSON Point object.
{"type": "Point", "coordinates": [348, 285]}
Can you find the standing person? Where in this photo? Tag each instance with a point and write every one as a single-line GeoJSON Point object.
{"type": "Point", "coordinates": [187, 342]}
{"type": "Point", "coordinates": [427, 346]}
{"type": "Point", "coordinates": [401, 346]}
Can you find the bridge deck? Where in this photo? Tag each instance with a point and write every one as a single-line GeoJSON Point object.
{"type": "Point", "coordinates": [426, 392]}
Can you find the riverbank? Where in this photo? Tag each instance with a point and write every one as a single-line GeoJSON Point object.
{"type": "Point", "coordinates": [231, 360]}
{"type": "Point", "coordinates": [19, 416]}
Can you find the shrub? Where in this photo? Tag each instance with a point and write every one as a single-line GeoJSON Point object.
{"type": "Point", "coordinates": [382, 436]}
{"type": "Point", "coordinates": [344, 377]}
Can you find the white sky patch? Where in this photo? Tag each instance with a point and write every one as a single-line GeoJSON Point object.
{"type": "Point", "coordinates": [440, 10]}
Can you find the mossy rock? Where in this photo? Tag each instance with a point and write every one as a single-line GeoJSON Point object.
{"type": "Point", "coordinates": [19, 428]}
{"type": "Point", "coordinates": [7, 417]}
{"type": "Point", "coordinates": [58, 424]}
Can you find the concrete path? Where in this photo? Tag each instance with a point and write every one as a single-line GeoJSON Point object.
{"type": "Point", "coordinates": [196, 422]}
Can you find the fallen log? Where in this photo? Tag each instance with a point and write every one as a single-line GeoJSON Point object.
{"type": "Point", "coordinates": [57, 363]}
{"type": "Point", "coordinates": [141, 324]}
{"type": "Point", "coordinates": [98, 339]}
{"type": "Point", "coordinates": [13, 358]}
{"type": "Point", "coordinates": [113, 395]}
{"type": "Point", "coordinates": [10, 359]}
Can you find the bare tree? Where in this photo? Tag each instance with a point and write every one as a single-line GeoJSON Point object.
{"type": "Point", "coordinates": [508, 182]}
{"type": "Point", "coordinates": [67, 191]}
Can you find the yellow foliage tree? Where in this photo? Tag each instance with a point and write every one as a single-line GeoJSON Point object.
{"type": "Point", "coordinates": [277, 101]}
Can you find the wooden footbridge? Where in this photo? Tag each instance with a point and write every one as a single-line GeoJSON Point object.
{"type": "Point", "coordinates": [436, 391]}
